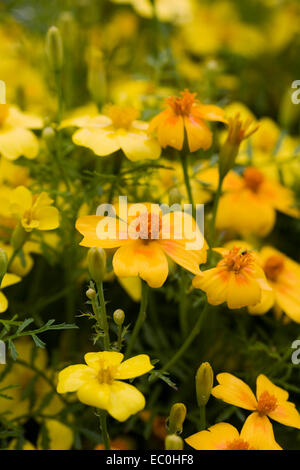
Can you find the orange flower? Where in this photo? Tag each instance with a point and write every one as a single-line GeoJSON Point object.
{"type": "Point", "coordinates": [224, 436]}
{"type": "Point", "coordinates": [185, 114]}
{"type": "Point", "coordinates": [237, 279]}
{"type": "Point", "coordinates": [146, 240]}
{"type": "Point", "coordinates": [270, 401]}
{"type": "Point", "coordinates": [250, 202]}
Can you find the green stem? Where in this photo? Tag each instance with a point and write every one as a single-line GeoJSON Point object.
{"type": "Point", "coordinates": [195, 331]}
{"type": "Point", "coordinates": [119, 341]}
{"type": "Point", "coordinates": [118, 160]}
{"type": "Point", "coordinates": [202, 420]}
{"type": "Point", "coordinates": [140, 319]}
{"type": "Point", "coordinates": [214, 213]}
{"type": "Point", "coordinates": [183, 304]}
{"type": "Point", "coordinates": [103, 425]}
{"type": "Point", "coordinates": [184, 164]}
{"type": "Point", "coordinates": [103, 319]}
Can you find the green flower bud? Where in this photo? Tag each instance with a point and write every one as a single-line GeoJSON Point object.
{"type": "Point", "coordinates": [119, 317]}
{"type": "Point", "coordinates": [176, 418]}
{"type": "Point", "coordinates": [204, 383]}
{"type": "Point", "coordinates": [91, 294]}
{"type": "Point", "coordinates": [175, 197]}
{"type": "Point", "coordinates": [49, 137]}
{"type": "Point", "coordinates": [173, 442]}
{"type": "Point", "coordinates": [54, 49]}
{"type": "Point", "coordinates": [97, 264]}
{"type": "Point", "coordinates": [18, 237]}
{"type": "Point", "coordinates": [3, 264]}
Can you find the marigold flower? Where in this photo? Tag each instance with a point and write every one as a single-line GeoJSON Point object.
{"type": "Point", "coordinates": [9, 279]}
{"type": "Point", "coordinates": [16, 138]}
{"type": "Point", "coordinates": [33, 211]}
{"type": "Point", "coordinates": [185, 114]}
{"type": "Point", "coordinates": [99, 383]}
{"type": "Point", "coordinates": [270, 401]}
{"type": "Point", "coordinates": [224, 436]}
{"type": "Point", "coordinates": [145, 256]}
{"type": "Point", "coordinates": [237, 279]}
{"type": "Point", "coordinates": [250, 202]}
{"type": "Point", "coordinates": [119, 129]}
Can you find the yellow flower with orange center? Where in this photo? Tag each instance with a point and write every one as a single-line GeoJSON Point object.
{"type": "Point", "coordinates": [100, 382]}
{"type": "Point", "coordinates": [117, 129]}
{"type": "Point", "coordinates": [185, 114]}
{"type": "Point", "coordinates": [237, 279]}
{"type": "Point", "coordinates": [250, 201]}
{"type": "Point", "coordinates": [146, 241]}
{"type": "Point", "coordinates": [270, 401]}
{"type": "Point", "coordinates": [16, 138]}
{"type": "Point", "coordinates": [224, 436]}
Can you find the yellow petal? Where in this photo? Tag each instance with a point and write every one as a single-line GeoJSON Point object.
{"type": "Point", "coordinates": [73, 377]}
{"type": "Point", "coordinates": [125, 400]}
{"type": "Point", "coordinates": [216, 437]}
{"type": "Point", "coordinates": [61, 436]}
{"type": "Point", "coordinates": [9, 279]}
{"type": "Point", "coordinates": [265, 304]}
{"type": "Point", "coordinates": [210, 112]}
{"type": "Point", "coordinates": [17, 118]}
{"type": "Point", "coordinates": [171, 132]}
{"type": "Point", "coordinates": [234, 391]}
{"type": "Point", "coordinates": [133, 287]}
{"type": "Point", "coordinates": [20, 201]}
{"type": "Point", "coordinates": [198, 134]}
{"type": "Point", "coordinates": [146, 260]}
{"type": "Point", "coordinates": [3, 303]}
{"type": "Point", "coordinates": [101, 142]}
{"type": "Point", "coordinates": [139, 146]}
{"type": "Point", "coordinates": [95, 394]}
{"type": "Point", "coordinates": [94, 359]}
{"type": "Point", "coordinates": [134, 367]}
{"type": "Point", "coordinates": [17, 142]}
{"type": "Point", "coordinates": [214, 285]}
{"type": "Point", "coordinates": [101, 231]}
{"type": "Point", "coordinates": [243, 290]}
{"type": "Point", "coordinates": [48, 218]}
{"type": "Point", "coordinates": [258, 432]}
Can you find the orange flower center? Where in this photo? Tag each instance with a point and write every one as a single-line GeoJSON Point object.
{"type": "Point", "coordinates": [239, 444]}
{"type": "Point", "coordinates": [253, 178]}
{"type": "Point", "coordinates": [237, 259]}
{"type": "Point", "coordinates": [122, 117]}
{"type": "Point", "coordinates": [266, 403]}
{"type": "Point", "coordinates": [273, 267]}
{"type": "Point", "coordinates": [3, 113]}
{"type": "Point", "coordinates": [106, 373]}
{"type": "Point", "coordinates": [183, 104]}
{"type": "Point", "coordinates": [149, 226]}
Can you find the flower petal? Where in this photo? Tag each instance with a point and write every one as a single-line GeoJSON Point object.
{"type": "Point", "coordinates": [125, 400]}
{"type": "Point", "coordinates": [73, 377]}
{"type": "Point", "coordinates": [171, 131]}
{"type": "Point", "coordinates": [134, 367]}
{"type": "Point", "coordinates": [139, 146]}
{"type": "Point", "coordinates": [112, 358]}
{"type": "Point", "coordinates": [101, 231]}
{"type": "Point", "coordinates": [3, 303]}
{"type": "Point", "coordinates": [258, 432]}
{"type": "Point", "coordinates": [95, 394]}
{"type": "Point", "coordinates": [198, 133]}
{"type": "Point", "coordinates": [234, 391]}
{"type": "Point", "coordinates": [216, 437]}
{"type": "Point", "coordinates": [101, 142]}
{"type": "Point", "coordinates": [48, 218]}
{"type": "Point", "coordinates": [17, 142]}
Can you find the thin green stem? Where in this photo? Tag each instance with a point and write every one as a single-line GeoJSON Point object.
{"type": "Point", "coordinates": [214, 213]}
{"type": "Point", "coordinates": [140, 319]}
{"type": "Point", "coordinates": [202, 418]}
{"type": "Point", "coordinates": [118, 160]}
{"type": "Point", "coordinates": [184, 164]}
{"type": "Point", "coordinates": [103, 318]}
{"type": "Point", "coordinates": [195, 331]}
{"type": "Point", "coordinates": [119, 341]}
{"type": "Point", "coordinates": [183, 303]}
{"type": "Point", "coordinates": [103, 426]}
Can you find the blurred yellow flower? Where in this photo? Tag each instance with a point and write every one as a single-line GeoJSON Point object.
{"type": "Point", "coordinates": [119, 129]}
{"type": "Point", "coordinates": [99, 383]}
{"type": "Point", "coordinates": [8, 280]}
{"type": "Point", "coordinates": [33, 211]}
{"type": "Point", "coordinates": [16, 138]}
{"type": "Point", "coordinates": [270, 401]}
{"type": "Point", "coordinates": [182, 115]}
{"type": "Point", "coordinates": [237, 279]}
{"type": "Point", "coordinates": [224, 436]}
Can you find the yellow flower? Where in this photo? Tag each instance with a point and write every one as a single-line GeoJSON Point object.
{"type": "Point", "coordinates": [283, 275]}
{"type": "Point", "coordinates": [60, 437]}
{"type": "Point", "coordinates": [33, 211]}
{"type": "Point", "coordinates": [166, 10]}
{"type": "Point", "coordinates": [224, 436]}
{"type": "Point", "coordinates": [185, 114]}
{"type": "Point", "coordinates": [237, 279]}
{"type": "Point", "coordinates": [99, 383]}
{"type": "Point", "coordinates": [8, 280]}
{"type": "Point", "coordinates": [119, 129]}
{"type": "Point", "coordinates": [250, 201]}
{"type": "Point", "coordinates": [157, 236]}
{"type": "Point", "coordinates": [270, 401]}
{"type": "Point", "coordinates": [16, 138]}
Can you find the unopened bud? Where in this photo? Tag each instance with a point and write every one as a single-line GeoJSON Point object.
{"type": "Point", "coordinates": [175, 197]}
{"type": "Point", "coordinates": [18, 237]}
{"type": "Point", "coordinates": [91, 293]}
{"type": "Point", "coordinates": [176, 418]}
{"type": "Point", "coordinates": [119, 317]}
{"type": "Point", "coordinates": [3, 264]}
{"type": "Point", "coordinates": [97, 264]}
{"type": "Point", "coordinates": [204, 383]}
{"type": "Point", "coordinates": [54, 49]}
{"type": "Point", "coordinates": [173, 442]}
{"type": "Point", "coordinates": [49, 137]}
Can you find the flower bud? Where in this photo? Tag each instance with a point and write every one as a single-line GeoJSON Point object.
{"type": "Point", "coordinates": [18, 237]}
{"type": "Point", "coordinates": [237, 132]}
{"type": "Point", "coordinates": [204, 383]}
{"type": "Point", "coordinates": [54, 49]}
{"type": "Point", "coordinates": [97, 264]}
{"type": "Point", "coordinates": [175, 197]}
{"type": "Point", "coordinates": [91, 293]}
{"type": "Point", "coordinates": [119, 317]}
{"type": "Point", "coordinates": [3, 264]}
{"type": "Point", "coordinates": [176, 418]}
{"type": "Point", "coordinates": [49, 137]}
{"type": "Point", "coordinates": [173, 442]}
